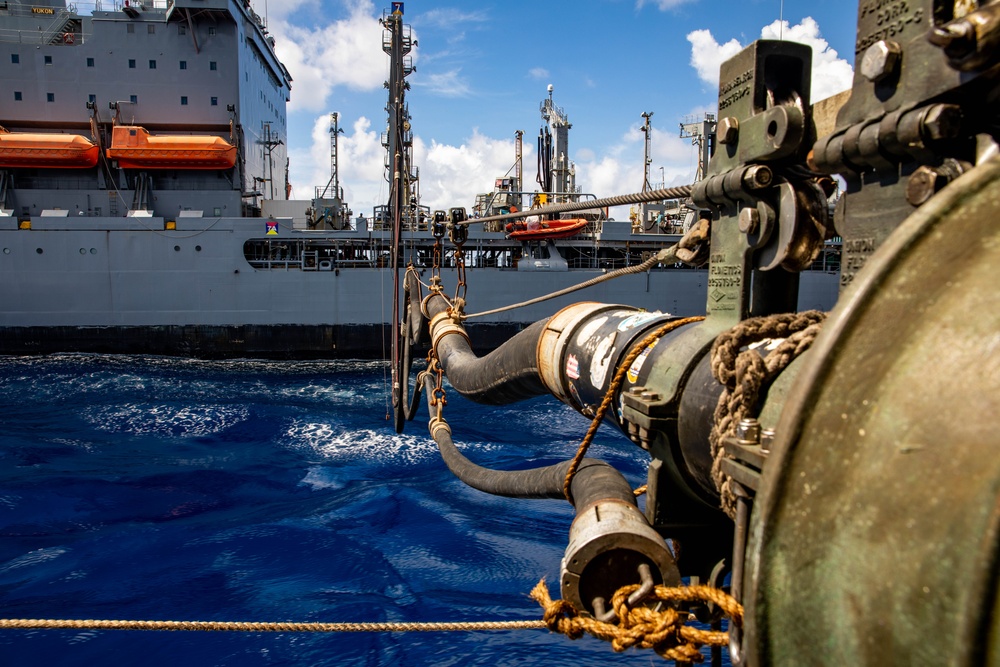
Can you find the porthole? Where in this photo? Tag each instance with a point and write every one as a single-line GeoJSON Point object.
{"type": "Point", "coordinates": [6, 251]}
{"type": "Point", "coordinates": [93, 251]}
{"type": "Point", "coordinates": [197, 248]}
{"type": "Point", "coordinates": [38, 250]}
{"type": "Point", "coordinates": [83, 251]}
{"type": "Point", "coordinates": [177, 248]}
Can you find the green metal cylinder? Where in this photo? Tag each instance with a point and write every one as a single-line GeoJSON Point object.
{"type": "Point", "coordinates": [874, 537]}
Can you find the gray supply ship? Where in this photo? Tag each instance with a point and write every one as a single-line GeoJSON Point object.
{"type": "Point", "coordinates": [143, 203]}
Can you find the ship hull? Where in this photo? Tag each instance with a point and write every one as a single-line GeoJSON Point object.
{"type": "Point", "coordinates": [130, 286]}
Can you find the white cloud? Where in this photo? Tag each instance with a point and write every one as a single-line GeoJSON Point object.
{"type": "Point", "coordinates": [830, 73]}
{"type": "Point", "coordinates": [454, 175]}
{"type": "Point", "coordinates": [539, 73]}
{"type": "Point", "coordinates": [343, 53]}
{"type": "Point", "coordinates": [707, 55]}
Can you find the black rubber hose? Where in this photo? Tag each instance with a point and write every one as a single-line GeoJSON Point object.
{"type": "Point", "coordinates": [506, 375]}
{"type": "Point", "coordinates": [594, 480]}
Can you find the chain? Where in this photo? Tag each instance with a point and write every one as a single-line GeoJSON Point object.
{"type": "Point", "coordinates": [461, 288]}
{"type": "Point", "coordinates": [438, 398]}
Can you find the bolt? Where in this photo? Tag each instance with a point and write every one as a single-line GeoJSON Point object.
{"type": "Point", "coordinates": [758, 177]}
{"type": "Point", "coordinates": [727, 130]}
{"type": "Point", "coordinates": [923, 184]}
{"type": "Point", "coordinates": [880, 60]}
{"type": "Point", "coordinates": [636, 390]}
{"type": "Point", "coordinates": [957, 40]}
{"type": "Point", "coordinates": [766, 438]}
{"type": "Point", "coordinates": [749, 220]}
{"type": "Point", "coordinates": [942, 121]}
{"type": "Point", "coordinates": [748, 430]}
{"type": "Point", "coordinates": [650, 396]}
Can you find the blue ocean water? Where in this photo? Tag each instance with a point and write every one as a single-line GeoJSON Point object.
{"type": "Point", "coordinates": [170, 489]}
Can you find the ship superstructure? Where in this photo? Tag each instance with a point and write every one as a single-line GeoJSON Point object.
{"type": "Point", "coordinates": [143, 202]}
{"type": "Point", "coordinates": [196, 68]}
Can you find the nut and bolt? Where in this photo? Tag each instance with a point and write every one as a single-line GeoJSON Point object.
{"type": "Point", "coordinates": [758, 177]}
{"type": "Point", "coordinates": [881, 60]}
{"type": "Point", "coordinates": [636, 390]}
{"type": "Point", "coordinates": [749, 220]}
{"type": "Point", "coordinates": [766, 438]}
{"type": "Point", "coordinates": [726, 130]}
{"type": "Point", "coordinates": [748, 430]}
{"type": "Point", "coordinates": [957, 40]}
{"type": "Point", "coordinates": [942, 121]}
{"type": "Point", "coordinates": [650, 396]}
{"type": "Point", "coordinates": [924, 184]}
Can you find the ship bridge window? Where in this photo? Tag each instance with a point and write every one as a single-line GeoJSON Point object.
{"type": "Point", "coordinates": [211, 30]}
{"type": "Point", "coordinates": [92, 98]}
{"type": "Point", "coordinates": [15, 58]}
{"type": "Point", "coordinates": [182, 29]}
{"type": "Point", "coordinates": [212, 65]}
{"type": "Point", "coordinates": [215, 101]}
{"type": "Point", "coordinates": [50, 97]}
{"type": "Point", "coordinates": [130, 27]}
{"type": "Point", "coordinates": [134, 99]}
{"type": "Point", "coordinates": [184, 100]}
{"type": "Point", "coordinates": [151, 29]}
{"type": "Point", "coordinates": [90, 62]}
{"type": "Point", "coordinates": [17, 95]}
{"type": "Point", "coordinates": [131, 63]}
{"type": "Point", "coordinates": [152, 64]}
{"type": "Point", "coordinates": [48, 60]}
{"type": "Point", "coordinates": [184, 64]}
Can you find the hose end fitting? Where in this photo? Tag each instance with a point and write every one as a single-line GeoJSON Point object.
{"type": "Point", "coordinates": [608, 541]}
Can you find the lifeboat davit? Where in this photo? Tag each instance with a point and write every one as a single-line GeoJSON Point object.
{"type": "Point", "coordinates": [46, 151]}
{"type": "Point", "coordinates": [136, 148]}
{"type": "Point", "coordinates": [550, 229]}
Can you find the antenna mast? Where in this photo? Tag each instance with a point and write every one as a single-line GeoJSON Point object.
{"type": "Point", "coordinates": [646, 161]}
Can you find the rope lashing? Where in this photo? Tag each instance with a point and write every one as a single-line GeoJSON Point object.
{"type": "Point", "coordinates": [745, 373]}
{"type": "Point", "coordinates": [662, 630]}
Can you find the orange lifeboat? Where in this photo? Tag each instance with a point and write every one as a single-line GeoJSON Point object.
{"type": "Point", "coordinates": [549, 229]}
{"type": "Point", "coordinates": [135, 148]}
{"type": "Point", "coordinates": [46, 151]}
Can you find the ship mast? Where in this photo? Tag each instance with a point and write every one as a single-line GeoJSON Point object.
{"type": "Point", "coordinates": [402, 208]}
{"type": "Point", "coordinates": [648, 131]}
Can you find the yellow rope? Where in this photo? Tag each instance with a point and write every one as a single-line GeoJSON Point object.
{"type": "Point", "coordinates": [236, 626]}
{"type": "Point", "coordinates": [661, 630]}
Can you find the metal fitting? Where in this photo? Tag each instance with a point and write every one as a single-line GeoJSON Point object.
{"type": "Point", "coordinates": [607, 543]}
{"type": "Point", "coordinates": [649, 396]}
{"type": "Point", "coordinates": [727, 130]}
{"type": "Point", "coordinates": [758, 177]}
{"type": "Point", "coordinates": [923, 184]}
{"type": "Point", "coordinates": [942, 121]}
{"type": "Point", "coordinates": [957, 40]}
{"type": "Point", "coordinates": [749, 220]}
{"type": "Point", "coordinates": [880, 60]}
{"type": "Point", "coordinates": [748, 430]}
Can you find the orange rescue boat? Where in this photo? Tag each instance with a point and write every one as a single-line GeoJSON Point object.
{"type": "Point", "coordinates": [550, 229]}
{"type": "Point", "coordinates": [46, 151]}
{"type": "Point", "coordinates": [135, 148]}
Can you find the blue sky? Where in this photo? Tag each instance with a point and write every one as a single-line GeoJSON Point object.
{"type": "Point", "coordinates": [482, 69]}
